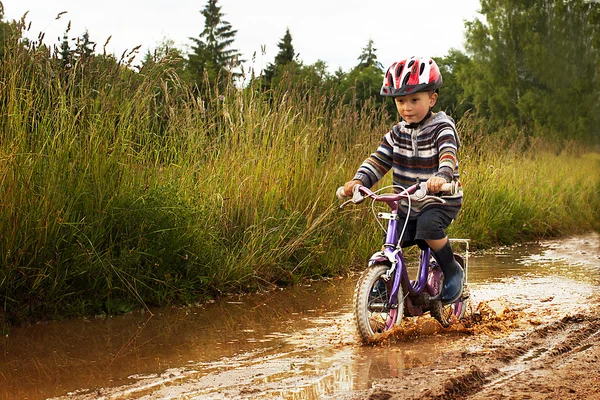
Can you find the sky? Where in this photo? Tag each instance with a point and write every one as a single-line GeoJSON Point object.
{"type": "Point", "coordinates": [334, 31]}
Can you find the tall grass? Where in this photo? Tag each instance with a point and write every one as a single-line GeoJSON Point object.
{"type": "Point", "coordinates": [521, 188]}
{"type": "Point", "coordinates": [123, 189]}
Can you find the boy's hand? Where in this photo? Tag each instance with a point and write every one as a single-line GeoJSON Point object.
{"type": "Point", "coordinates": [434, 184]}
{"type": "Point", "coordinates": [348, 186]}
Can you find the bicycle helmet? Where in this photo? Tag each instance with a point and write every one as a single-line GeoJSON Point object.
{"type": "Point", "coordinates": [411, 75]}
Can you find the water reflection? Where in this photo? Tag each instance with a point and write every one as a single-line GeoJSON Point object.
{"type": "Point", "coordinates": [297, 343]}
{"type": "Point", "coordinates": [51, 359]}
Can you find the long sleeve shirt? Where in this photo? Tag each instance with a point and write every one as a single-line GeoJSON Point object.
{"type": "Point", "coordinates": [416, 153]}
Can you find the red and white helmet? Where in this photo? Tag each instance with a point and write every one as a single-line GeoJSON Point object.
{"type": "Point", "coordinates": [411, 75]}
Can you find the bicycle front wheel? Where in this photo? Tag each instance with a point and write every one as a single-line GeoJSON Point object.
{"type": "Point", "coordinates": [372, 311]}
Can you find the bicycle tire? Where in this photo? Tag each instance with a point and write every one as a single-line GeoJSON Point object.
{"type": "Point", "coordinates": [372, 315]}
{"type": "Point", "coordinates": [448, 314]}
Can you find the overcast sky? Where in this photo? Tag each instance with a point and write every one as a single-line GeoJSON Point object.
{"type": "Point", "coordinates": [334, 31]}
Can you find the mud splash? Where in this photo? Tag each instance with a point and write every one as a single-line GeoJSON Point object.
{"type": "Point", "coordinates": [491, 318]}
{"type": "Point", "coordinates": [300, 343]}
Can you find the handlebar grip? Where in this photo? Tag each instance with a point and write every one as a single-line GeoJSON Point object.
{"type": "Point", "coordinates": [341, 193]}
{"type": "Point", "coordinates": [449, 187]}
{"type": "Point", "coordinates": [422, 192]}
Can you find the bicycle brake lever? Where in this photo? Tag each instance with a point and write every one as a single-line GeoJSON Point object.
{"type": "Point", "coordinates": [421, 192]}
{"type": "Point", "coordinates": [344, 204]}
{"type": "Point", "coordinates": [357, 196]}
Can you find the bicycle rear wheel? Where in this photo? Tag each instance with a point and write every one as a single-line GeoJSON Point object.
{"type": "Point", "coordinates": [372, 312]}
{"type": "Point", "coordinates": [449, 314]}
{"type": "Point", "coordinates": [453, 313]}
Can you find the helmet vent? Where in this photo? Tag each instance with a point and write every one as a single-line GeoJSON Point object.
{"type": "Point", "coordinates": [399, 70]}
{"type": "Point", "coordinates": [405, 80]}
{"type": "Point", "coordinates": [422, 69]}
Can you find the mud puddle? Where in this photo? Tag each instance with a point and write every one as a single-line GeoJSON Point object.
{"type": "Point", "coordinates": [529, 302]}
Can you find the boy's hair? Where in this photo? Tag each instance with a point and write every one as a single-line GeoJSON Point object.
{"type": "Point", "coordinates": [411, 75]}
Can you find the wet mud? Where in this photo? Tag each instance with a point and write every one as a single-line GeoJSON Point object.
{"type": "Point", "coordinates": [556, 361]}
{"type": "Point", "coordinates": [532, 332]}
{"type": "Point", "coordinates": [521, 347]}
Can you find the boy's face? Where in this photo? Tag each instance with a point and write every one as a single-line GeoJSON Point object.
{"type": "Point", "coordinates": [414, 107]}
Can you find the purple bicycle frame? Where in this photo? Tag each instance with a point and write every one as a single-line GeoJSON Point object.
{"type": "Point", "coordinates": [401, 274]}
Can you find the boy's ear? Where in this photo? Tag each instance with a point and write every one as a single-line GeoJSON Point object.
{"type": "Point", "coordinates": [433, 97]}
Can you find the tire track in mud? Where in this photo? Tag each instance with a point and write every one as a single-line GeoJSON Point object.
{"type": "Point", "coordinates": [545, 347]}
{"type": "Point", "coordinates": [492, 372]}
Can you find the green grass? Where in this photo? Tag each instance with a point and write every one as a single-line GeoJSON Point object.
{"type": "Point", "coordinates": [520, 189]}
{"type": "Point", "coordinates": [123, 190]}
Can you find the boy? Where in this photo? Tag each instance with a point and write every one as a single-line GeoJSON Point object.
{"type": "Point", "coordinates": [423, 146]}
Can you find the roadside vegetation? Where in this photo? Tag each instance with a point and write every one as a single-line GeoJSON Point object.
{"type": "Point", "coordinates": [124, 188]}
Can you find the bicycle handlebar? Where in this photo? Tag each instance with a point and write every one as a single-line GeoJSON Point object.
{"type": "Point", "coordinates": [360, 193]}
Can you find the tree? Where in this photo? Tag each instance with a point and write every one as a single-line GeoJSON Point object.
{"type": "Point", "coordinates": [531, 59]}
{"type": "Point", "coordinates": [452, 98]}
{"type": "Point", "coordinates": [285, 56]}
{"type": "Point", "coordinates": [165, 53]}
{"type": "Point", "coordinates": [286, 49]}
{"type": "Point", "coordinates": [212, 52]}
{"type": "Point", "coordinates": [80, 55]}
{"type": "Point", "coordinates": [85, 47]}
{"type": "Point", "coordinates": [66, 54]}
{"type": "Point", "coordinates": [360, 85]}
{"type": "Point", "coordinates": [368, 57]}
{"type": "Point", "coordinates": [363, 82]}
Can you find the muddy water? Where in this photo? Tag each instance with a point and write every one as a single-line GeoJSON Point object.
{"type": "Point", "coordinates": [293, 344]}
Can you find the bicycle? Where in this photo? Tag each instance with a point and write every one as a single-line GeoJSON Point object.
{"type": "Point", "coordinates": [384, 292]}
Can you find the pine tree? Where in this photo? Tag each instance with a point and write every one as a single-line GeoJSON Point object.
{"type": "Point", "coordinates": [286, 49]}
{"type": "Point", "coordinates": [363, 82]}
{"type": "Point", "coordinates": [66, 54]}
{"type": "Point", "coordinates": [368, 57]}
{"type": "Point", "coordinates": [285, 56]}
{"type": "Point", "coordinates": [85, 47]}
{"type": "Point", "coordinates": [211, 51]}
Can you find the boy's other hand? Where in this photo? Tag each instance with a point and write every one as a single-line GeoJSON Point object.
{"type": "Point", "coordinates": [434, 184]}
{"type": "Point", "coordinates": [348, 186]}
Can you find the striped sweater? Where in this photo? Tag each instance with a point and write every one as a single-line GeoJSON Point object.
{"type": "Point", "coordinates": [422, 152]}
